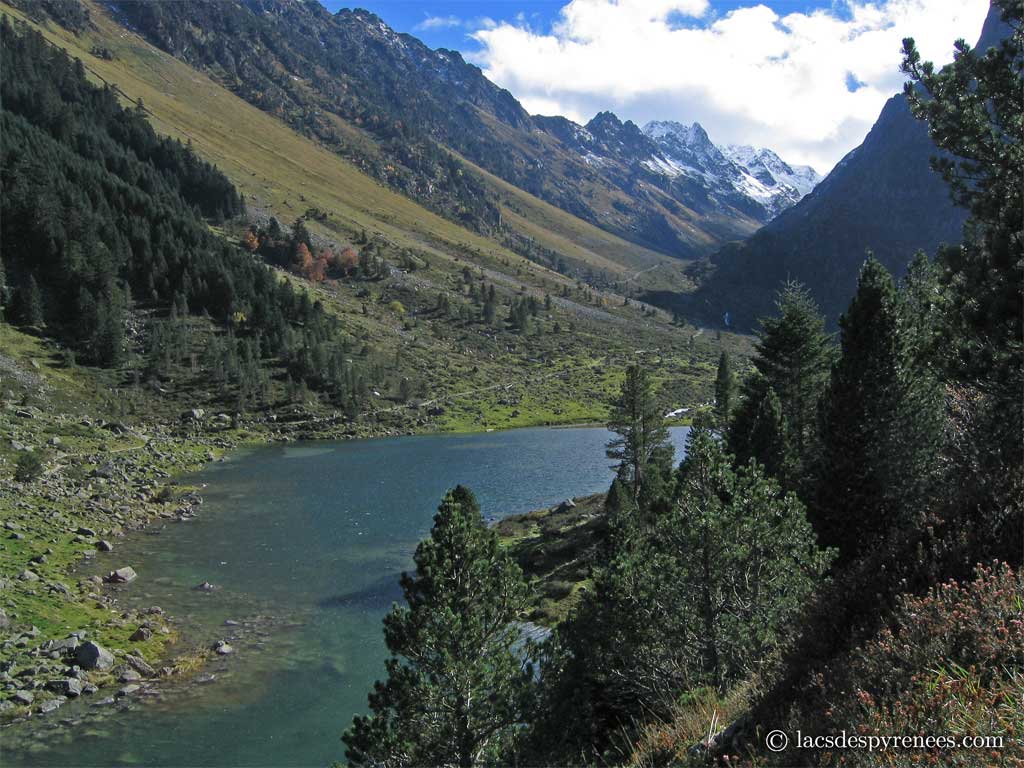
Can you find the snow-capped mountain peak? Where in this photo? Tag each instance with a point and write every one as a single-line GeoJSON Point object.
{"type": "Point", "coordinates": [763, 163]}
{"type": "Point", "coordinates": [670, 130]}
{"type": "Point", "coordinates": [736, 174]}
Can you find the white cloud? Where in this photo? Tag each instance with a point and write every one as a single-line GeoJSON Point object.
{"type": "Point", "coordinates": [451, 22]}
{"type": "Point", "coordinates": [438, 22]}
{"type": "Point", "coordinates": [749, 76]}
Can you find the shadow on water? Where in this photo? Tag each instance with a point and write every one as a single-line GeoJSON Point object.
{"type": "Point", "coordinates": [307, 547]}
{"type": "Point", "coordinates": [377, 596]}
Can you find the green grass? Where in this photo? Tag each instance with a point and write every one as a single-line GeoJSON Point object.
{"type": "Point", "coordinates": [466, 375]}
{"type": "Point", "coordinates": [556, 549]}
{"type": "Point", "coordinates": [75, 405]}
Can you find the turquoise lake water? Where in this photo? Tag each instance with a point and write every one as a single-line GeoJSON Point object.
{"type": "Point", "coordinates": [305, 543]}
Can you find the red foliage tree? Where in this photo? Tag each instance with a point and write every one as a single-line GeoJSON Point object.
{"type": "Point", "coordinates": [346, 260]}
{"type": "Point", "coordinates": [250, 242]}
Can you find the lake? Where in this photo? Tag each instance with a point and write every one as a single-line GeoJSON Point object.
{"type": "Point", "coordinates": [304, 543]}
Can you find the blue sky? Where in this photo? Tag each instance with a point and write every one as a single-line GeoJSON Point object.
{"type": "Point", "coordinates": [804, 78]}
{"type": "Point", "coordinates": [412, 15]}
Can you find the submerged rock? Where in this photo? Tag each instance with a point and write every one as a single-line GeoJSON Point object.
{"type": "Point", "coordinates": [223, 648]}
{"type": "Point", "coordinates": [122, 576]}
{"type": "Point", "coordinates": [67, 687]}
{"type": "Point", "coordinates": [49, 706]}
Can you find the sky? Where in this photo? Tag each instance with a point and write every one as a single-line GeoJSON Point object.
{"type": "Point", "coordinates": [806, 78]}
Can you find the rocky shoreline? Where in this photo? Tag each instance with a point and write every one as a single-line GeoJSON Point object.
{"type": "Point", "coordinates": [61, 637]}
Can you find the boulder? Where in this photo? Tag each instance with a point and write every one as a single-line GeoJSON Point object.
{"type": "Point", "coordinates": [129, 675]}
{"type": "Point", "coordinates": [90, 655]}
{"type": "Point", "coordinates": [124, 575]}
{"type": "Point", "coordinates": [28, 575]}
{"type": "Point", "coordinates": [23, 697]}
{"type": "Point", "coordinates": [128, 690]}
{"type": "Point", "coordinates": [223, 648]}
{"type": "Point", "coordinates": [67, 687]}
{"type": "Point", "coordinates": [205, 587]}
{"type": "Point", "coordinates": [139, 665]}
{"type": "Point", "coordinates": [104, 546]}
{"type": "Point", "coordinates": [49, 706]}
{"type": "Point", "coordinates": [83, 531]}
{"type": "Point", "coordinates": [141, 634]}
{"type": "Point", "coordinates": [106, 472]}
{"type": "Point", "coordinates": [67, 644]}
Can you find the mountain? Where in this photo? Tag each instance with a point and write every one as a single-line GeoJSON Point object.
{"type": "Point", "coordinates": [759, 177]}
{"type": "Point", "coordinates": [789, 182]}
{"type": "Point", "coordinates": [422, 121]}
{"type": "Point", "coordinates": [882, 196]}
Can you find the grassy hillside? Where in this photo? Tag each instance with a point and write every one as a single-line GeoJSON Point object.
{"type": "Point", "coordinates": [283, 171]}
{"type": "Point", "coordinates": [564, 371]}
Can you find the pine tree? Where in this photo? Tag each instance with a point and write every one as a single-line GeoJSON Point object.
{"type": "Point", "coordinates": [747, 560]}
{"type": "Point", "coordinates": [973, 108]}
{"type": "Point", "coordinates": [700, 598]}
{"type": "Point", "coordinates": [793, 357]}
{"type": "Point", "coordinates": [638, 420]}
{"type": "Point", "coordinates": [725, 389]}
{"type": "Point", "coordinates": [457, 686]}
{"type": "Point", "coordinates": [858, 412]}
{"type": "Point", "coordinates": [767, 438]}
{"type": "Point", "coordinates": [3, 290]}
{"type": "Point", "coordinates": [32, 303]}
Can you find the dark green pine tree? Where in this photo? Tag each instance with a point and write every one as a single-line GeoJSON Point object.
{"type": "Point", "coordinates": [725, 389]}
{"type": "Point", "coordinates": [457, 688]}
{"type": "Point", "coordinates": [699, 598]}
{"type": "Point", "coordinates": [793, 358]}
{"type": "Point", "coordinates": [3, 290]}
{"type": "Point", "coordinates": [853, 500]}
{"type": "Point", "coordinates": [108, 341]}
{"type": "Point", "coordinates": [33, 310]}
{"type": "Point", "coordinates": [973, 108]}
{"type": "Point", "coordinates": [767, 440]}
{"type": "Point", "coordinates": [743, 562]}
{"type": "Point", "coordinates": [920, 434]}
{"type": "Point", "coordinates": [638, 420]}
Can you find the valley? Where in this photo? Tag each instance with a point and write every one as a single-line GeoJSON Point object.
{"type": "Point", "coordinates": [350, 411]}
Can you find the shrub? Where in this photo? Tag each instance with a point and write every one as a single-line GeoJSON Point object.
{"type": "Point", "coordinates": [949, 664]}
{"type": "Point", "coordinates": [29, 467]}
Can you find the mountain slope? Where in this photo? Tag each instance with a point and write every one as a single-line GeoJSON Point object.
{"type": "Point", "coordinates": [395, 108]}
{"type": "Point", "coordinates": [883, 196]}
{"type": "Point", "coordinates": [421, 321]}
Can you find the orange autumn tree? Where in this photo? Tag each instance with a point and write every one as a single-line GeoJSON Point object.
{"type": "Point", "coordinates": [346, 260]}
{"type": "Point", "coordinates": [302, 259]}
{"type": "Point", "coordinates": [250, 242]}
{"type": "Point", "coordinates": [318, 270]}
